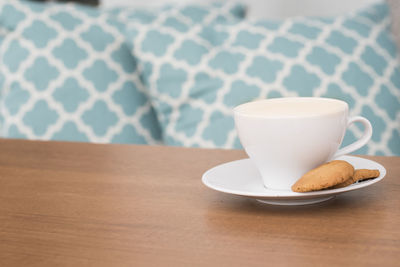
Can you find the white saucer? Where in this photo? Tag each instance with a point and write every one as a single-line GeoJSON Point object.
{"type": "Point", "coordinates": [241, 178]}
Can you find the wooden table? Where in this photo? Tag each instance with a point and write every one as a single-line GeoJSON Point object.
{"type": "Point", "coordinates": [71, 204]}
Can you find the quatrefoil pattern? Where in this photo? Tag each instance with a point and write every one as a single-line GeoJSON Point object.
{"type": "Point", "coordinates": [196, 76]}
{"type": "Point", "coordinates": [68, 75]}
{"type": "Point", "coordinates": [67, 72]}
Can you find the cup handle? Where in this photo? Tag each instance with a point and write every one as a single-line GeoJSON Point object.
{"type": "Point", "coordinates": [360, 142]}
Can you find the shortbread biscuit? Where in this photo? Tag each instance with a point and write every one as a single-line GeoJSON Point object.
{"type": "Point", "coordinates": [364, 174]}
{"type": "Point", "coordinates": [324, 176]}
{"type": "Point", "coordinates": [359, 175]}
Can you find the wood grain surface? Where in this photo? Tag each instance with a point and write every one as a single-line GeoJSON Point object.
{"type": "Point", "coordinates": [77, 204]}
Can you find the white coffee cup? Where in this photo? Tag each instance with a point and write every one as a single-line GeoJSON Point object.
{"type": "Point", "coordinates": [286, 137]}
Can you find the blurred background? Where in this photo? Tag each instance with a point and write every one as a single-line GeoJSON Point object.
{"type": "Point", "coordinates": [272, 9]}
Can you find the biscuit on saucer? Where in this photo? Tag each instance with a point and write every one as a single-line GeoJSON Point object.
{"type": "Point", "coordinates": [359, 175]}
{"type": "Point", "coordinates": [324, 176]}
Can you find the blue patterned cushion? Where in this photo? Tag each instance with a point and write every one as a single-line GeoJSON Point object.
{"type": "Point", "coordinates": [68, 74]}
{"type": "Point", "coordinates": [195, 78]}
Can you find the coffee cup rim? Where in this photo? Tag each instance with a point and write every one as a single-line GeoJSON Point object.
{"type": "Point", "coordinates": [238, 110]}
